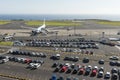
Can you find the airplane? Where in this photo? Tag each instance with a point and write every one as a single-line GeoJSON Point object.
{"type": "Point", "coordinates": [41, 29]}
{"type": "Point", "coordinates": [8, 37]}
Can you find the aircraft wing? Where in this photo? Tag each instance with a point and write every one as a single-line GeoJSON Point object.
{"type": "Point", "coordinates": [28, 28]}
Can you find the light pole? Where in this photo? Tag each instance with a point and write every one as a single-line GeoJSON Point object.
{"type": "Point", "coordinates": [67, 32]}
{"type": "Point", "coordinates": [74, 29]}
{"type": "Point", "coordinates": [56, 34]}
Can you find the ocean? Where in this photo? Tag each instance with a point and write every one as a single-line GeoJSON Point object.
{"type": "Point", "coordinates": [59, 17]}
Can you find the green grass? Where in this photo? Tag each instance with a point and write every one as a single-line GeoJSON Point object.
{"type": "Point", "coordinates": [2, 22]}
{"type": "Point", "coordinates": [113, 23]}
{"type": "Point", "coordinates": [52, 23]}
{"type": "Point", "coordinates": [4, 43]}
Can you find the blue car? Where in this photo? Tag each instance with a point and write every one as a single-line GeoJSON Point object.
{"type": "Point", "coordinates": [54, 77]}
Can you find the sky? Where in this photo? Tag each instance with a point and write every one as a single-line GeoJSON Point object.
{"type": "Point", "coordinates": [108, 7]}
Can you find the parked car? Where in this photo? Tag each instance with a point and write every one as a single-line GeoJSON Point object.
{"type": "Point", "coordinates": [34, 65]}
{"type": "Point", "coordinates": [118, 72]}
{"type": "Point", "coordinates": [100, 74]}
{"type": "Point", "coordinates": [55, 64]}
{"type": "Point", "coordinates": [118, 63]}
{"type": "Point", "coordinates": [101, 61]}
{"type": "Point", "coordinates": [114, 76]}
{"type": "Point", "coordinates": [72, 65]}
{"type": "Point", "coordinates": [61, 65]}
{"type": "Point", "coordinates": [94, 72]}
{"type": "Point", "coordinates": [112, 63]}
{"type": "Point", "coordinates": [101, 69]}
{"type": "Point", "coordinates": [107, 75]}
{"type": "Point", "coordinates": [61, 78]}
{"type": "Point", "coordinates": [54, 77]}
{"type": "Point", "coordinates": [64, 69]}
{"type": "Point", "coordinates": [5, 60]}
{"type": "Point", "coordinates": [75, 70]}
{"type": "Point", "coordinates": [27, 60]}
{"type": "Point", "coordinates": [114, 70]}
{"type": "Point", "coordinates": [95, 67]}
{"type": "Point", "coordinates": [68, 78]}
{"type": "Point", "coordinates": [75, 78]}
{"type": "Point", "coordinates": [81, 71]}
{"type": "Point", "coordinates": [114, 58]}
{"type": "Point", "coordinates": [55, 57]}
{"type": "Point", "coordinates": [87, 71]}
{"type": "Point", "coordinates": [69, 70]}
{"type": "Point", "coordinates": [57, 69]}
{"type": "Point", "coordinates": [86, 60]}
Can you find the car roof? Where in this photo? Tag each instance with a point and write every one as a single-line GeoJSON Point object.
{"type": "Point", "coordinates": [107, 72]}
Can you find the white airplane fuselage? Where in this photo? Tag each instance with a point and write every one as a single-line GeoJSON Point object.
{"type": "Point", "coordinates": [39, 29]}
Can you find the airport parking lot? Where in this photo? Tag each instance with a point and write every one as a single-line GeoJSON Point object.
{"type": "Point", "coordinates": [46, 71]}
{"type": "Point", "coordinates": [66, 47]}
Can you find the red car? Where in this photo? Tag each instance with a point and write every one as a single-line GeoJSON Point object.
{"type": "Point", "coordinates": [94, 72]}
{"type": "Point", "coordinates": [64, 68]}
{"type": "Point", "coordinates": [27, 60]}
{"type": "Point", "coordinates": [82, 70]}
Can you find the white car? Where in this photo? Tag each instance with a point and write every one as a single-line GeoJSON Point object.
{"type": "Point", "coordinates": [89, 66]}
{"type": "Point", "coordinates": [67, 64]}
{"type": "Point", "coordinates": [57, 55]}
{"type": "Point", "coordinates": [5, 60]}
{"type": "Point", "coordinates": [107, 75]}
{"type": "Point", "coordinates": [100, 74]}
{"type": "Point", "coordinates": [95, 67]}
{"type": "Point", "coordinates": [114, 58]}
{"type": "Point", "coordinates": [34, 65]}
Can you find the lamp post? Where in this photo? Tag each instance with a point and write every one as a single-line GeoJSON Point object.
{"type": "Point", "coordinates": [56, 34]}
{"type": "Point", "coordinates": [68, 32]}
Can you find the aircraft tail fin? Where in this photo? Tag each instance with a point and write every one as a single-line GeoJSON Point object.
{"type": "Point", "coordinates": [44, 22]}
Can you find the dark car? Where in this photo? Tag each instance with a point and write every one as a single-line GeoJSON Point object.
{"type": "Point", "coordinates": [69, 70]}
{"type": "Point", "coordinates": [60, 78]}
{"type": "Point", "coordinates": [118, 63]}
{"type": "Point", "coordinates": [54, 57]}
{"type": "Point", "coordinates": [101, 61]}
{"type": "Point", "coordinates": [66, 58]}
{"type": "Point", "coordinates": [68, 78]}
{"type": "Point", "coordinates": [61, 65]}
{"type": "Point", "coordinates": [73, 66]}
{"type": "Point", "coordinates": [114, 76]}
{"type": "Point", "coordinates": [75, 70]}
{"type": "Point", "coordinates": [114, 70]}
{"type": "Point", "coordinates": [86, 60]}
{"type": "Point", "coordinates": [55, 64]}
{"type": "Point", "coordinates": [57, 69]}
{"type": "Point", "coordinates": [112, 63]}
{"type": "Point", "coordinates": [43, 55]}
{"type": "Point", "coordinates": [76, 59]}
{"type": "Point", "coordinates": [87, 71]}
